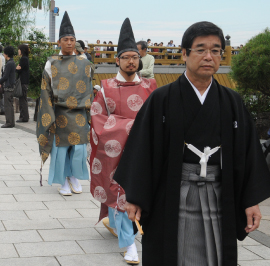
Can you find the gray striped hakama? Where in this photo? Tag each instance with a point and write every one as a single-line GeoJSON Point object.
{"type": "Point", "coordinates": [199, 225]}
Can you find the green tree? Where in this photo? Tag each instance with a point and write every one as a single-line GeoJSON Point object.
{"type": "Point", "coordinates": [39, 52]}
{"type": "Point", "coordinates": [251, 72]}
{"type": "Point", "coordinates": [15, 17]}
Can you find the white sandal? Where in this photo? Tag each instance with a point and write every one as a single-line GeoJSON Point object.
{"type": "Point", "coordinates": [64, 192]}
{"type": "Point", "coordinates": [134, 258]}
{"type": "Point", "coordinates": [73, 187]}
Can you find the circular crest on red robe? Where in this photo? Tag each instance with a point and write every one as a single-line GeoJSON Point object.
{"type": "Point", "coordinates": [100, 194]}
{"type": "Point", "coordinates": [111, 104]}
{"type": "Point", "coordinates": [96, 108]}
{"type": "Point", "coordinates": [112, 83]}
{"type": "Point", "coordinates": [129, 126]}
{"type": "Point", "coordinates": [111, 176]}
{"type": "Point", "coordinates": [121, 202]}
{"type": "Point", "coordinates": [112, 148]}
{"type": "Point", "coordinates": [96, 166]}
{"type": "Point", "coordinates": [94, 137]}
{"type": "Point", "coordinates": [134, 102]}
{"type": "Point", "coordinates": [110, 123]}
{"type": "Point", "coordinates": [146, 83]}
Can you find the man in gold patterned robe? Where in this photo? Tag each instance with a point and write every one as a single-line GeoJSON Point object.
{"type": "Point", "coordinates": [64, 113]}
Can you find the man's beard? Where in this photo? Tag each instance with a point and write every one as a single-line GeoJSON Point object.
{"type": "Point", "coordinates": [129, 73]}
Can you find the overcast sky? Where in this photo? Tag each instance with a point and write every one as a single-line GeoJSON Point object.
{"type": "Point", "coordinates": [158, 20]}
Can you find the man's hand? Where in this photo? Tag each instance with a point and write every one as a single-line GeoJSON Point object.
{"type": "Point", "coordinates": [253, 218]}
{"type": "Point", "coordinates": [18, 67]}
{"type": "Point", "coordinates": [133, 211]}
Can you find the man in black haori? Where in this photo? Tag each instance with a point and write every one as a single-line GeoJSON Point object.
{"type": "Point", "coordinates": [195, 167]}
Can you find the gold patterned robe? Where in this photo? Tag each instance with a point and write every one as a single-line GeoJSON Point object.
{"type": "Point", "coordinates": [65, 101]}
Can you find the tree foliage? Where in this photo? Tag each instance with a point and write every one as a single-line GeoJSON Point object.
{"type": "Point", "coordinates": [15, 16]}
{"type": "Point", "coordinates": [39, 52]}
{"type": "Point", "coordinates": [251, 72]}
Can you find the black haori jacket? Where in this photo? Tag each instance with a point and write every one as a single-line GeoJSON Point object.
{"type": "Point", "coordinates": [150, 171]}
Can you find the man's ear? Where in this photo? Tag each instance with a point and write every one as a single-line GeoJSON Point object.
{"type": "Point", "coordinates": [58, 43]}
{"type": "Point", "coordinates": [184, 54]}
{"type": "Point", "coordinates": [117, 61]}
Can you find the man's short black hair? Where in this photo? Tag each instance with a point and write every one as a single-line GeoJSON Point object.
{"type": "Point", "coordinates": [148, 40]}
{"type": "Point", "coordinates": [203, 28]}
{"type": "Point", "coordinates": [143, 44]}
{"type": "Point", "coordinates": [1, 48]}
{"type": "Point", "coordinates": [81, 43]}
{"type": "Point", "coordinates": [9, 51]}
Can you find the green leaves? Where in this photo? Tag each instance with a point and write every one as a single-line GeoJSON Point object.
{"type": "Point", "coordinates": [251, 72]}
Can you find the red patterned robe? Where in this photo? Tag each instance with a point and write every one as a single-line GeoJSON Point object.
{"type": "Point", "coordinates": [109, 133]}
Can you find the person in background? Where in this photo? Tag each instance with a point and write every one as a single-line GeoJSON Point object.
{"type": "Point", "coordinates": [96, 89]}
{"type": "Point", "coordinates": [155, 50]}
{"type": "Point", "coordinates": [79, 50]}
{"type": "Point", "coordinates": [88, 56]}
{"type": "Point", "coordinates": [170, 44]}
{"type": "Point", "coordinates": [7, 83]}
{"type": "Point", "coordinates": [97, 48]}
{"type": "Point", "coordinates": [23, 71]}
{"type": "Point", "coordinates": [147, 60]}
{"type": "Point", "coordinates": [149, 44]}
{"type": "Point", "coordinates": [2, 67]}
{"type": "Point", "coordinates": [104, 49]}
{"type": "Point", "coordinates": [110, 48]}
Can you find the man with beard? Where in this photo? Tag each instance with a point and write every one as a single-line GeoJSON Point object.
{"type": "Point", "coordinates": [117, 105]}
{"type": "Point", "coordinates": [195, 167]}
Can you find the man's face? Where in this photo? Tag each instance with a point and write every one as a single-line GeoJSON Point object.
{"type": "Point", "coordinates": [171, 42]}
{"type": "Point", "coordinates": [128, 62]}
{"type": "Point", "coordinates": [6, 56]}
{"type": "Point", "coordinates": [67, 44]}
{"type": "Point", "coordinates": [202, 66]}
{"type": "Point", "coordinates": [142, 52]}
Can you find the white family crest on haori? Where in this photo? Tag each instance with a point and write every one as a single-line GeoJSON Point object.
{"type": "Point", "coordinates": [112, 148]}
{"type": "Point", "coordinates": [94, 136]}
{"type": "Point", "coordinates": [100, 194]}
{"type": "Point", "coordinates": [134, 102]}
{"type": "Point", "coordinates": [204, 156]}
{"type": "Point", "coordinates": [110, 123]}
{"type": "Point", "coordinates": [96, 108]}
{"type": "Point", "coordinates": [96, 166]}
{"type": "Point", "coordinates": [122, 201]}
{"type": "Point", "coordinates": [129, 126]}
{"type": "Point", "coordinates": [111, 177]}
{"type": "Point", "coordinates": [111, 104]}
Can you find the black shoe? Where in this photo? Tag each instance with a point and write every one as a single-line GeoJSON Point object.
{"type": "Point", "coordinates": [7, 126]}
{"type": "Point", "coordinates": [2, 113]}
{"type": "Point", "coordinates": [21, 121]}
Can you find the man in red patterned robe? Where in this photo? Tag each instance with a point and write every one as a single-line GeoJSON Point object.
{"type": "Point", "coordinates": [113, 112]}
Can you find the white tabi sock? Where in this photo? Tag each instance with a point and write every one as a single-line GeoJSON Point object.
{"type": "Point", "coordinates": [65, 187]}
{"type": "Point", "coordinates": [132, 254]}
{"type": "Point", "coordinates": [75, 183]}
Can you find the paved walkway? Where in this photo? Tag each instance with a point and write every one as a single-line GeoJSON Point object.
{"type": "Point", "coordinates": [40, 227]}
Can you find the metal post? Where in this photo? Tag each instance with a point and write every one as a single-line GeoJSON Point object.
{"type": "Point", "coordinates": [52, 23]}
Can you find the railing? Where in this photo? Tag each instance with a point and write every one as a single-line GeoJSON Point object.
{"type": "Point", "coordinates": [163, 57]}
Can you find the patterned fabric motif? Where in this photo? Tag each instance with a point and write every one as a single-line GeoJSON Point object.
{"type": "Point", "coordinates": [108, 136]}
{"type": "Point", "coordinates": [64, 108]}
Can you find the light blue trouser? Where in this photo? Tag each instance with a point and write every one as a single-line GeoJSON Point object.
{"type": "Point", "coordinates": [123, 226]}
{"type": "Point", "coordinates": [68, 161]}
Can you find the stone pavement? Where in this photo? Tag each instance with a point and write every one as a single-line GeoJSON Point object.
{"type": "Point", "coordinates": [40, 227]}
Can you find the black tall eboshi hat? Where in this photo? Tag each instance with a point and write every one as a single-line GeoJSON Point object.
{"type": "Point", "coordinates": [66, 28]}
{"type": "Point", "coordinates": [126, 41]}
